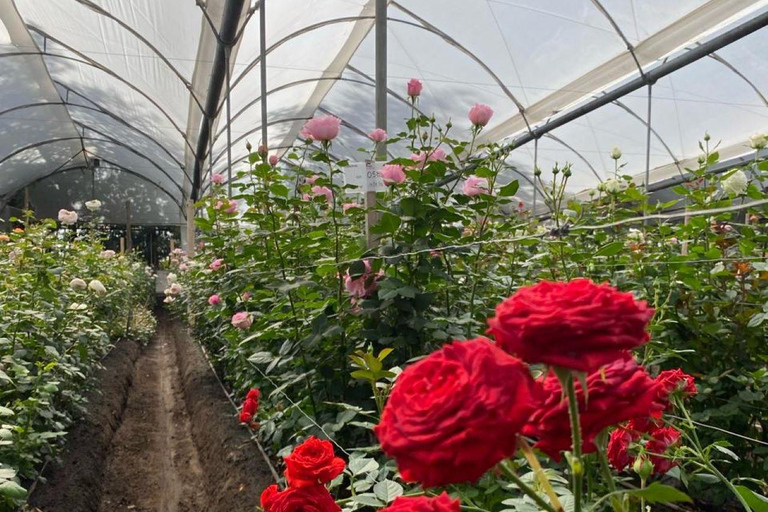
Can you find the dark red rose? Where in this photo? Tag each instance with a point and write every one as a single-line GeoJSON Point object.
{"type": "Point", "coordinates": [456, 413]}
{"type": "Point", "coordinates": [618, 392]}
{"type": "Point", "coordinates": [441, 503]}
{"type": "Point", "coordinates": [618, 448]}
{"type": "Point", "coordinates": [662, 439]}
{"type": "Point", "coordinates": [579, 325]}
{"type": "Point", "coordinates": [314, 498]}
{"type": "Point", "coordinates": [311, 463]}
{"type": "Point", "coordinates": [675, 382]}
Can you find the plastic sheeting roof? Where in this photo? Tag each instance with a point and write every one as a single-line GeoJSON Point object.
{"type": "Point", "coordinates": [126, 81]}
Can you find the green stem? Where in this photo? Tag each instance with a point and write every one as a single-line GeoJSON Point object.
{"type": "Point", "coordinates": [526, 488]}
{"type": "Point", "coordinates": [577, 465]}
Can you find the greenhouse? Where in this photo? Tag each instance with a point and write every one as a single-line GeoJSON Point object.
{"type": "Point", "coordinates": [372, 255]}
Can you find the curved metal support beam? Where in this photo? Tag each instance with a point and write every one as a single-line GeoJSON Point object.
{"type": "Point", "coordinates": [352, 127]}
{"type": "Point", "coordinates": [730, 66]}
{"type": "Point", "coordinates": [116, 168]}
{"type": "Point", "coordinates": [255, 130]}
{"type": "Point", "coordinates": [110, 140]}
{"type": "Point", "coordinates": [84, 59]}
{"type": "Point", "coordinates": [631, 112]}
{"type": "Point", "coordinates": [36, 145]}
{"type": "Point", "coordinates": [568, 146]}
{"type": "Point", "coordinates": [621, 35]}
{"type": "Point", "coordinates": [102, 12]}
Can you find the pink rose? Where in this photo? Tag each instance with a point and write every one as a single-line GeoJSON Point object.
{"type": "Point", "coordinates": [323, 191]}
{"type": "Point", "coordinates": [480, 114]}
{"type": "Point", "coordinates": [217, 178]}
{"type": "Point", "coordinates": [364, 285]}
{"type": "Point", "coordinates": [438, 155]}
{"type": "Point", "coordinates": [219, 205]}
{"type": "Point", "coordinates": [347, 206]}
{"type": "Point", "coordinates": [242, 320]}
{"type": "Point", "coordinates": [305, 134]}
{"type": "Point", "coordinates": [214, 300]}
{"type": "Point", "coordinates": [273, 160]}
{"type": "Point", "coordinates": [474, 186]}
{"type": "Point", "coordinates": [183, 267]}
{"type": "Point", "coordinates": [378, 135]}
{"type": "Point", "coordinates": [392, 174]}
{"type": "Point", "coordinates": [216, 264]}
{"type": "Point", "coordinates": [312, 179]}
{"type": "Point", "coordinates": [323, 128]}
{"type": "Point", "coordinates": [232, 207]}
{"type": "Point", "coordinates": [246, 296]}
{"type": "Point", "coordinates": [306, 197]}
{"type": "Point", "coordinates": [414, 87]}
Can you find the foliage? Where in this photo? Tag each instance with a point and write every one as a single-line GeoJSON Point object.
{"type": "Point", "coordinates": [53, 334]}
{"type": "Point", "coordinates": [327, 309]}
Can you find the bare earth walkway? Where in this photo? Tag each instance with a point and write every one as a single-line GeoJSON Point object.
{"type": "Point", "coordinates": [153, 464]}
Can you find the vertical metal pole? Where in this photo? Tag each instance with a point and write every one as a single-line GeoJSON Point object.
{"type": "Point", "coordinates": [648, 141]}
{"type": "Point", "coordinates": [371, 217]}
{"type": "Point", "coordinates": [263, 69]}
{"type": "Point", "coordinates": [128, 227]}
{"type": "Point", "coordinates": [228, 52]}
{"type": "Point", "coordinates": [190, 228]}
{"type": "Point", "coordinates": [535, 166]}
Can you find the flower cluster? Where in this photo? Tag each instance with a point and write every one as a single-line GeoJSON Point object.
{"type": "Point", "coordinates": [457, 413]}
{"type": "Point", "coordinates": [309, 468]}
{"type": "Point", "coordinates": [250, 408]}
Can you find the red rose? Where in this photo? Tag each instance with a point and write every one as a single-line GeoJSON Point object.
{"type": "Point", "coordinates": [456, 413]}
{"type": "Point", "coordinates": [579, 325]}
{"type": "Point", "coordinates": [662, 439]}
{"type": "Point", "coordinates": [312, 463]}
{"type": "Point", "coordinates": [616, 393]}
{"type": "Point", "coordinates": [618, 448]}
{"type": "Point", "coordinates": [254, 395]}
{"type": "Point", "coordinates": [442, 503]}
{"type": "Point", "coordinates": [245, 417]}
{"type": "Point", "coordinates": [315, 498]}
{"type": "Point", "coordinates": [675, 382]}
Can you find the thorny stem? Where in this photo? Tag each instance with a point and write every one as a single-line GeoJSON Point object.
{"type": "Point", "coordinates": [577, 465]}
{"type": "Point", "coordinates": [539, 472]}
{"type": "Point", "coordinates": [525, 487]}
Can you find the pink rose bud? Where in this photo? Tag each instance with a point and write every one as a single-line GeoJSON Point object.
{"type": "Point", "coordinates": [378, 135]}
{"type": "Point", "coordinates": [323, 128]}
{"type": "Point", "coordinates": [214, 300]}
{"type": "Point", "coordinates": [246, 296]}
{"type": "Point", "coordinates": [217, 178]}
{"type": "Point", "coordinates": [273, 160]}
{"type": "Point", "coordinates": [216, 264]}
{"type": "Point", "coordinates": [263, 149]}
{"type": "Point", "coordinates": [392, 174]}
{"type": "Point", "coordinates": [480, 114]}
{"type": "Point", "coordinates": [414, 87]}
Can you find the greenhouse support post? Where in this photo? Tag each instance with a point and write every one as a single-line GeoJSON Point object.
{"type": "Point", "coordinates": [190, 228]}
{"type": "Point", "coordinates": [128, 238]}
{"type": "Point", "coordinates": [263, 69]}
{"type": "Point", "coordinates": [228, 54]}
{"type": "Point", "coordinates": [371, 217]}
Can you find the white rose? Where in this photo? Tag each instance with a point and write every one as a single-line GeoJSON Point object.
{"type": "Point", "coordinates": [78, 284]}
{"type": "Point", "coordinates": [169, 299]}
{"type": "Point", "coordinates": [735, 184]}
{"type": "Point", "coordinates": [172, 278]}
{"type": "Point", "coordinates": [758, 141]}
{"type": "Point", "coordinates": [97, 287]}
{"type": "Point", "coordinates": [636, 235]}
{"type": "Point", "coordinates": [109, 253]}
{"type": "Point", "coordinates": [175, 289]}
{"type": "Point", "coordinates": [67, 217]}
{"type": "Point", "coordinates": [93, 205]}
{"type": "Point", "coordinates": [614, 186]}
{"type": "Point", "coordinates": [616, 153]}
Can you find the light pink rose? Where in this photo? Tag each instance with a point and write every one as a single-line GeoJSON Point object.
{"type": "Point", "coordinates": [242, 320]}
{"type": "Point", "coordinates": [174, 261]}
{"type": "Point", "coordinates": [480, 114]}
{"type": "Point", "coordinates": [273, 159]}
{"type": "Point", "coordinates": [246, 296]}
{"type": "Point", "coordinates": [217, 178]}
{"type": "Point", "coordinates": [323, 191]}
{"type": "Point", "coordinates": [312, 179]}
{"type": "Point", "coordinates": [392, 174]}
{"type": "Point", "coordinates": [475, 186]}
{"type": "Point", "coordinates": [67, 217]}
{"type": "Point", "coordinates": [232, 206]}
{"type": "Point", "coordinates": [214, 300]}
{"type": "Point", "coordinates": [219, 205]}
{"type": "Point", "coordinates": [323, 128]}
{"type": "Point", "coordinates": [437, 155]}
{"type": "Point", "coordinates": [306, 197]}
{"type": "Point", "coordinates": [183, 267]}
{"type": "Point", "coordinates": [347, 206]}
{"type": "Point", "coordinates": [378, 135]}
{"type": "Point", "coordinates": [414, 87]}
{"type": "Point", "coordinates": [362, 286]}
{"type": "Point", "coordinates": [216, 264]}
{"type": "Point", "coordinates": [305, 134]}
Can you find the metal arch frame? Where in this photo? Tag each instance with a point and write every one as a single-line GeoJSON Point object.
{"type": "Point", "coordinates": [741, 75]}
{"type": "Point", "coordinates": [84, 59]}
{"type": "Point", "coordinates": [568, 146]}
{"type": "Point", "coordinates": [84, 150]}
{"type": "Point", "coordinates": [619, 32]}
{"type": "Point", "coordinates": [102, 12]}
{"type": "Point", "coordinates": [351, 126]}
{"type": "Point", "coordinates": [136, 152]}
{"type": "Point", "coordinates": [118, 168]}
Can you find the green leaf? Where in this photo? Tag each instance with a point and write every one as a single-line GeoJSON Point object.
{"type": "Point", "coordinates": [363, 465]}
{"type": "Point", "coordinates": [660, 493]}
{"type": "Point", "coordinates": [369, 499]}
{"type": "Point", "coordinates": [388, 224]}
{"type": "Point", "coordinates": [509, 189]}
{"type": "Point", "coordinates": [12, 490]}
{"type": "Point", "coordinates": [757, 502]}
{"type": "Point", "coordinates": [610, 249]}
{"type": "Point", "coordinates": [387, 490]}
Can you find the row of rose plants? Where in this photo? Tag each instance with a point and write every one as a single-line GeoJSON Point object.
{"type": "Point", "coordinates": [288, 298]}
{"type": "Point", "coordinates": [64, 300]}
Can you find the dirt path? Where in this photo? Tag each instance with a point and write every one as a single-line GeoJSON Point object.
{"type": "Point", "coordinates": [154, 465]}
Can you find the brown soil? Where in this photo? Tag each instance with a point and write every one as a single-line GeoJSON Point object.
{"type": "Point", "coordinates": [166, 440]}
